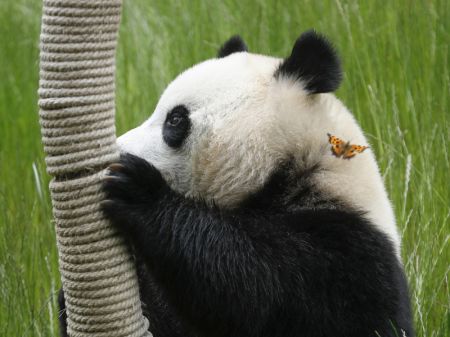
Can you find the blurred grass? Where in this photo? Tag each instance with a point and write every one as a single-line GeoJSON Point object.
{"type": "Point", "coordinates": [397, 83]}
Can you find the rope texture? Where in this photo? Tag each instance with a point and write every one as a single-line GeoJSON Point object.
{"type": "Point", "coordinates": [76, 100]}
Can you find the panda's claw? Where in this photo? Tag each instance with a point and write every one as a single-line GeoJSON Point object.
{"type": "Point", "coordinates": [109, 178]}
{"type": "Point", "coordinates": [107, 203]}
{"type": "Point", "coordinates": [132, 181]}
{"type": "Point", "coordinates": [115, 167]}
{"type": "Point", "coordinates": [130, 186]}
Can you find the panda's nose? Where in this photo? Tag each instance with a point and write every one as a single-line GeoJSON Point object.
{"type": "Point", "coordinates": [131, 141]}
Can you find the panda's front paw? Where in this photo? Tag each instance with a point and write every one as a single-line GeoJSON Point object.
{"type": "Point", "coordinates": [131, 186]}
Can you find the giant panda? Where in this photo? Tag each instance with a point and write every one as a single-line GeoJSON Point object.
{"type": "Point", "coordinates": [243, 220]}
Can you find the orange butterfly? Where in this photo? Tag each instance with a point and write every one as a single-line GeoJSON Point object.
{"type": "Point", "coordinates": [344, 149]}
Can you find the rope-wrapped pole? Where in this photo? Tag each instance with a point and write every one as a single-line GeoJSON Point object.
{"type": "Point", "coordinates": [77, 60]}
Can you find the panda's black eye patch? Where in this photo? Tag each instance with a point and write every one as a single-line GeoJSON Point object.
{"type": "Point", "coordinates": [176, 126]}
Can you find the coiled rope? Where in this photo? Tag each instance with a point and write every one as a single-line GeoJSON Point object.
{"type": "Point", "coordinates": [76, 100]}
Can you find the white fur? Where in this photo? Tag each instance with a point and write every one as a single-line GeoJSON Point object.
{"type": "Point", "coordinates": [244, 122]}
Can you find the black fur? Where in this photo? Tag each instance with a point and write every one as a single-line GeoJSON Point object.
{"type": "Point", "coordinates": [62, 315]}
{"type": "Point", "coordinates": [233, 45]}
{"type": "Point", "coordinates": [313, 61]}
{"type": "Point", "coordinates": [162, 317]}
{"type": "Point", "coordinates": [256, 271]}
{"type": "Point", "coordinates": [176, 126]}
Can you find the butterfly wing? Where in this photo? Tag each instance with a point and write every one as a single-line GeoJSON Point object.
{"type": "Point", "coordinates": [352, 150]}
{"type": "Point", "coordinates": [337, 145]}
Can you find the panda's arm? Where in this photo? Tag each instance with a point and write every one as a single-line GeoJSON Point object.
{"type": "Point", "coordinates": [221, 270]}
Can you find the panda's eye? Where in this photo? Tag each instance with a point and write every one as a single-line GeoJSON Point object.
{"type": "Point", "coordinates": [177, 116]}
{"type": "Point", "coordinates": [174, 120]}
{"type": "Point", "coordinates": [176, 127]}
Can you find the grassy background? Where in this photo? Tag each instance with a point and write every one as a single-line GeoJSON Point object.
{"type": "Point", "coordinates": [397, 83]}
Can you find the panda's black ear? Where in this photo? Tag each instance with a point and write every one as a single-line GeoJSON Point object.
{"type": "Point", "coordinates": [314, 62]}
{"type": "Point", "coordinates": [234, 44]}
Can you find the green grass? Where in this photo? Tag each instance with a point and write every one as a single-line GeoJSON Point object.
{"type": "Point", "coordinates": [397, 83]}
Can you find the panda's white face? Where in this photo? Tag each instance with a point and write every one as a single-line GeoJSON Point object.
{"type": "Point", "coordinates": [226, 99]}
{"type": "Point", "coordinates": [244, 120]}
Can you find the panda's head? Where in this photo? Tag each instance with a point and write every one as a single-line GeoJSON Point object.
{"type": "Point", "coordinates": [222, 127]}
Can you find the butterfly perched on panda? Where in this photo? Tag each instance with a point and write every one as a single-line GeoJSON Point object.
{"type": "Point", "coordinates": [343, 149]}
